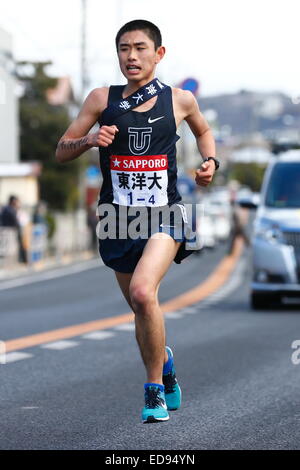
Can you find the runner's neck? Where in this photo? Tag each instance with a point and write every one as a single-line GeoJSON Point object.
{"type": "Point", "coordinates": [132, 86]}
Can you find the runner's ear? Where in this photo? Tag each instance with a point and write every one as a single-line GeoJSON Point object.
{"type": "Point", "coordinates": [160, 52]}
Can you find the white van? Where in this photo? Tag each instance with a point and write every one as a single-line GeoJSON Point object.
{"type": "Point", "coordinates": [276, 238]}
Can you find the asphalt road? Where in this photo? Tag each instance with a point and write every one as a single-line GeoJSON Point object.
{"type": "Point", "coordinates": [240, 386]}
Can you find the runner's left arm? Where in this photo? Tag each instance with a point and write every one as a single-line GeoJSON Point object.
{"type": "Point", "coordinates": [204, 138]}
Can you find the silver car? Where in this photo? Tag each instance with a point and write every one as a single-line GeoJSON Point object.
{"type": "Point", "coordinates": [276, 237]}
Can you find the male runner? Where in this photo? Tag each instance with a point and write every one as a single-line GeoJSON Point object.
{"type": "Point", "coordinates": [145, 135]}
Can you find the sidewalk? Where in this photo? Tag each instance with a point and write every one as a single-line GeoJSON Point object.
{"type": "Point", "coordinates": [19, 269]}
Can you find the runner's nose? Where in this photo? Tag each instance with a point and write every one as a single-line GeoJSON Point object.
{"type": "Point", "coordinates": [132, 55]}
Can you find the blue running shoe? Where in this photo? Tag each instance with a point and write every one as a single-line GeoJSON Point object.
{"type": "Point", "coordinates": [172, 389]}
{"type": "Point", "coordinates": [155, 404]}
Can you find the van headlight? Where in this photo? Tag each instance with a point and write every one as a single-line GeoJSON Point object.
{"type": "Point", "coordinates": [269, 231]}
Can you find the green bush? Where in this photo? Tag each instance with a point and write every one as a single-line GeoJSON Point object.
{"type": "Point", "coordinates": [51, 224]}
{"type": "Point", "coordinates": [248, 174]}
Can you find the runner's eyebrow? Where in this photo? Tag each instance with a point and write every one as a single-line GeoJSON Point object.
{"type": "Point", "coordinates": [135, 44]}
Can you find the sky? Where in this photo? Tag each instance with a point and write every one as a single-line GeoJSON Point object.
{"type": "Point", "coordinates": [226, 45]}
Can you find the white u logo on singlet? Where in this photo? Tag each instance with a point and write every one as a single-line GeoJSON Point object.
{"type": "Point", "coordinates": [139, 139]}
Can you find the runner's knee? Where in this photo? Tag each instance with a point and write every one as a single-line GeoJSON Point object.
{"type": "Point", "coordinates": [142, 295]}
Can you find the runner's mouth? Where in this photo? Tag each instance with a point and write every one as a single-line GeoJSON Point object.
{"type": "Point", "coordinates": [133, 67]}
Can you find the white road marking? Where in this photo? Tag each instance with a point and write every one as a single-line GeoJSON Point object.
{"type": "Point", "coordinates": [224, 291]}
{"type": "Point", "coordinates": [188, 310]}
{"type": "Point", "coordinates": [208, 302]}
{"type": "Point", "coordinates": [16, 356]}
{"type": "Point", "coordinates": [29, 407]}
{"type": "Point", "coordinates": [60, 345]}
{"type": "Point", "coordinates": [232, 284]}
{"type": "Point", "coordinates": [99, 335]}
{"type": "Point", "coordinates": [173, 315]}
{"type": "Point", "coordinates": [51, 274]}
{"type": "Point", "coordinates": [235, 280]}
{"type": "Point", "coordinates": [125, 327]}
{"type": "Point", "coordinates": [2, 352]}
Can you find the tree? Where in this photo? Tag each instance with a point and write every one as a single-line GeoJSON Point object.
{"type": "Point", "coordinates": [42, 125]}
{"type": "Point", "coordinates": [248, 174]}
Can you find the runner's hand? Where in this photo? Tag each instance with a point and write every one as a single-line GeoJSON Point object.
{"type": "Point", "coordinates": [204, 175]}
{"type": "Point", "coordinates": [104, 136]}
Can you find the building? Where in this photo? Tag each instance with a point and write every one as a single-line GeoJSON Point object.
{"type": "Point", "coordinates": [20, 179]}
{"type": "Point", "coordinates": [63, 95]}
{"type": "Point", "coordinates": [9, 140]}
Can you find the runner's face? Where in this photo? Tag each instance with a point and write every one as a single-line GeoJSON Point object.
{"type": "Point", "coordinates": [137, 56]}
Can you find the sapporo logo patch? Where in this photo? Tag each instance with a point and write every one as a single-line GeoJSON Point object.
{"type": "Point", "coordinates": [139, 181]}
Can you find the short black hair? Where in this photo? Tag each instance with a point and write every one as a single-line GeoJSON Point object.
{"type": "Point", "coordinates": [150, 29]}
{"type": "Point", "coordinates": [12, 199]}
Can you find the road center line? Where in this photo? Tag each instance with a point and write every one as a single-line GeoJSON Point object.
{"type": "Point", "coordinates": [198, 293]}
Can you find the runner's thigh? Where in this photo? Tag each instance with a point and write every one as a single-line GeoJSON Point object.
{"type": "Point", "coordinates": [157, 256]}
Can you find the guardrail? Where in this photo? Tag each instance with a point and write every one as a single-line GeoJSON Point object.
{"type": "Point", "coordinates": [9, 248]}
{"type": "Point", "coordinates": [69, 238]}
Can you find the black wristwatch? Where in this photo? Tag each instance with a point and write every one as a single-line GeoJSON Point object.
{"type": "Point", "coordinates": [217, 163]}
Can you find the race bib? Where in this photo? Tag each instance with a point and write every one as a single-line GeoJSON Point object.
{"type": "Point", "coordinates": [139, 181]}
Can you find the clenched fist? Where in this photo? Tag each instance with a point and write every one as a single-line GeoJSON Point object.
{"type": "Point", "coordinates": [103, 137]}
{"type": "Point", "coordinates": [204, 175]}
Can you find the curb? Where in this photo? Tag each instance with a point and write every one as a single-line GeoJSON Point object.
{"type": "Point", "coordinates": [44, 265]}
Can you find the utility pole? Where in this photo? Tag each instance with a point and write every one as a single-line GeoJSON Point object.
{"type": "Point", "coordinates": [84, 79]}
{"type": "Point", "coordinates": [119, 17]}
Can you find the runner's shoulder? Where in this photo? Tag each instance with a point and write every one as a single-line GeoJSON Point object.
{"type": "Point", "coordinates": [97, 99]}
{"type": "Point", "coordinates": [183, 98]}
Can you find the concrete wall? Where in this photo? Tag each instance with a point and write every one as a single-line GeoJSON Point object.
{"type": "Point", "coordinates": [9, 139]}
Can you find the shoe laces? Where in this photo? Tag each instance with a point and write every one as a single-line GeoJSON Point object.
{"type": "Point", "coordinates": [169, 382]}
{"type": "Point", "coordinates": [153, 398]}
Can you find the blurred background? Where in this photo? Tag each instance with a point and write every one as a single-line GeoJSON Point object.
{"type": "Point", "coordinates": [238, 58]}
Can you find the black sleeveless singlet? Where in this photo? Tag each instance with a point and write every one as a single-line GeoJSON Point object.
{"type": "Point", "coordinates": [139, 168]}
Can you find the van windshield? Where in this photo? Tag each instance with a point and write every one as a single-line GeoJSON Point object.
{"type": "Point", "coordinates": [284, 186]}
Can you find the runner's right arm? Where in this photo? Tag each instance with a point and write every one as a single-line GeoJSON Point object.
{"type": "Point", "coordinates": [76, 139]}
